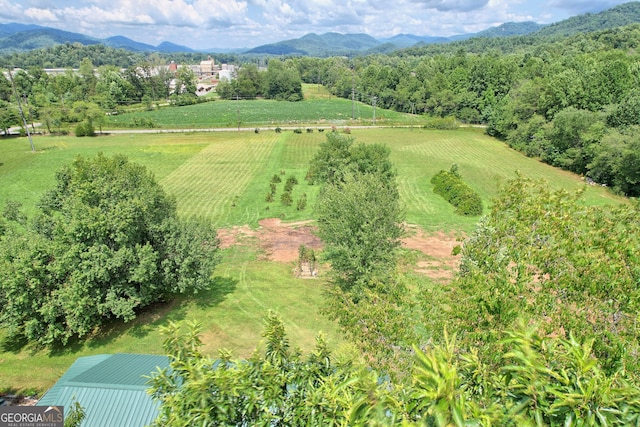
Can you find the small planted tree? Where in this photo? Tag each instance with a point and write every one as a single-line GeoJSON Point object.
{"type": "Point", "coordinates": [301, 204]}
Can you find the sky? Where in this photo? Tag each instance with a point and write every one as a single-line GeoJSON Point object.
{"type": "Point", "coordinates": [204, 24]}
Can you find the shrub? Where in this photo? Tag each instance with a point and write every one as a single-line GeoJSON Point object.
{"type": "Point", "coordinates": [141, 122]}
{"type": "Point", "coordinates": [441, 123]}
{"type": "Point", "coordinates": [85, 129]}
{"type": "Point", "coordinates": [278, 129]}
{"type": "Point", "coordinates": [276, 178]}
{"type": "Point", "coordinates": [302, 202]}
{"type": "Point", "coordinates": [291, 181]}
{"type": "Point", "coordinates": [449, 184]}
{"type": "Point", "coordinates": [286, 198]}
{"type": "Point", "coordinates": [297, 130]}
{"type": "Point", "coordinates": [257, 130]}
{"type": "Point", "coordinates": [309, 130]}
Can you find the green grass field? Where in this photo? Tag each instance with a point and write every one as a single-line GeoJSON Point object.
{"type": "Point", "coordinates": [225, 176]}
{"type": "Point", "coordinates": [317, 109]}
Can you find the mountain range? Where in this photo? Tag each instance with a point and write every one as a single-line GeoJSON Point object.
{"type": "Point", "coordinates": [17, 37]}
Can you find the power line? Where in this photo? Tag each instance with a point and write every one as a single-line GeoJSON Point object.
{"type": "Point", "coordinates": [24, 120]}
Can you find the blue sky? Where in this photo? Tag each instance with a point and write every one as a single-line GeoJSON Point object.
{"type": "Point", "coordinates": [202, 24]}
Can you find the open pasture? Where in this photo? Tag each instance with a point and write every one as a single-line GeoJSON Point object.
{"type": "Point", "coordinates": [225, 176]}
{"type": "Point", "coordinates": [313, 111]}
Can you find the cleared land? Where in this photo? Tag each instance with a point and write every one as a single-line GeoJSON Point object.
{"type": "Point", "coordinates": [225, 177]}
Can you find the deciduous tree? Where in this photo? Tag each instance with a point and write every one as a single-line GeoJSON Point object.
{"type": "Point", "coordinates": [105, 243]}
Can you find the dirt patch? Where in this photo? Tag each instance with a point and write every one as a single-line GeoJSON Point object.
{"type": "Point", "coordinates": [441, 263]}
{"type": "Point", "coordinates": [232, 236]}
{"type": "Point", "coordinates": [280, 242]}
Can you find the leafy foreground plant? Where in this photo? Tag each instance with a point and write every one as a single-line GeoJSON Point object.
{"type": "Point", "coordinates": [540, 256]}
{"type": "Point", "coordinates": [105, 243]}
{"type": "Point", "coordinates": [536, 381]}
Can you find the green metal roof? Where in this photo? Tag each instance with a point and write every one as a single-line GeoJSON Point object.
{"type": "Point", "coordinates": [111, 388]}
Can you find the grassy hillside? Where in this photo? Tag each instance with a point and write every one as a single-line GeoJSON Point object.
{"type": "Point", "coordinates": [225, 176]}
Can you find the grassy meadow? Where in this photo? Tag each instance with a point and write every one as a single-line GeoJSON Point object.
{"type": "Point", "coordinates": [225, 177]}
{"type": "Point", "coordinates": [317, 109]}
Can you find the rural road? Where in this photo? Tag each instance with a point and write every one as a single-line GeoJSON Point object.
{"type": "Point", "coordinates": [16, 130]}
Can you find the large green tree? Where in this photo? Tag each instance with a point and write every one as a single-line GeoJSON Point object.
{"type": "Point", "coordinates": [8, 116]}
{"type": "Point", "coordinates": [282, 81]}
{"type": "Point", "coordinates": [360, 221]}
{"type": "Point", "coordinates": [105, 243]}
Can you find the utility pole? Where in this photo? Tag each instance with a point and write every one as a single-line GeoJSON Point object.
{"type": "Point", "coordinates": [24, 120]}
{"type": "Point", "coordinates": [238, 109]}
{"type": "Point", "coordinates": [353, 93]}
{"type": "Point", "coordinates": [374, 100]}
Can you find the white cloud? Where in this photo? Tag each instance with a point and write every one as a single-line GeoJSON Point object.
{"type": "Point", "coordinates": [453, 5]}
{"type": "Point", "coordinates": [45, 15]}
{"type": "Point", "coordinates": [248, 23]}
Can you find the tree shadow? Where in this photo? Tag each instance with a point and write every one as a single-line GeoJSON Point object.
{"type": "Point", "coordinates": [147, 320]}
{"type": "Point", "coordinates": [220, 288]}
{"type": "Point", "coordinates": [13, 343]}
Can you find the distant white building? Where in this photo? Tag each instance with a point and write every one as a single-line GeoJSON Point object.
{"type": "Point", "coordinates": [225, 75]}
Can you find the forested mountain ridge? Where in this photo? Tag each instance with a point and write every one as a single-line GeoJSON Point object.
{"type": "Point", "coordinates": [618, 16]}
{"type": "Point", "coordinates": [21, 38]}
{"type": "Point", "coordinates": [319, 45]}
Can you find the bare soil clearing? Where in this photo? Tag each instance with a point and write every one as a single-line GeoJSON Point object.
{"type": "Point", "coordinates": [280, 242]}
{"type": "Point", "coordinates": [440, 264]}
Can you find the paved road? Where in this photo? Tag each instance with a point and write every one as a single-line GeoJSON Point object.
{"type": "Point", "coordinates": [236, 129]}
{"type": "Point", "coordinates": [16, 130]}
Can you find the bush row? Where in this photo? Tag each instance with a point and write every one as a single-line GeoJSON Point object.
{"type": "Point", "coordinates": [449, 184]}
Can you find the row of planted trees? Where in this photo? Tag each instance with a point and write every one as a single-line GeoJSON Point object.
{"type": "Point", "coordinates": [538, 328]}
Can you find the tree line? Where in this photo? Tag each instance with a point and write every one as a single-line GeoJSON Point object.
{"type": "Point", "coordinates": [57, 100]}
{"type": "Point", "coordinates": [280, 81]}
{"type": "Point", "coordinates": [571, 101]}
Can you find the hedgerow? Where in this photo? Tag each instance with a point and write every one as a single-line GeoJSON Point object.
{"type": "Point", "coordinates": [449, 184]}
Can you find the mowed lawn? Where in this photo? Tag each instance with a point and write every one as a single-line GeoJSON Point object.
{"type": "Point", "coordinates": [225, 176]}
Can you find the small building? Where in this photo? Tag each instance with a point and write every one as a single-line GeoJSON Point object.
{"type": "Point", "coordinates": [111, 388]}
{"type": "Point", "coordinates": [208, 67]}
{"type": "Point", "coordinates": [225, 75]}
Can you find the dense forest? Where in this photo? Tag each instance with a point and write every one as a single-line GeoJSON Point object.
{"type": "Point", "coordinates": [572, 102]}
